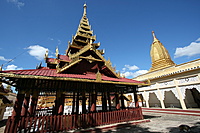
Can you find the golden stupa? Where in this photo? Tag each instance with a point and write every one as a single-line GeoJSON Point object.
{"type": "Point", "coordinates": [159, 56]}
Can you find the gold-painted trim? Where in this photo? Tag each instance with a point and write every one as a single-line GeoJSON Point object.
{"type": "Point", "coordinates": [90, 57]}
{"type": "Point", "coordinates": [68, 66]}
{"type": "Point", "coordinates": [3, 93]}
{"type": "Point", "coordinates": [66, 79]}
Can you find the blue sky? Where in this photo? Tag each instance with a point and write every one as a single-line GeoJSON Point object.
{"type": "Point", "coordinates": [29, 27]}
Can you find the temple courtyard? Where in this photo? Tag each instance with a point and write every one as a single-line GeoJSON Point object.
{"type": "Point", "coordinates": [159, 123]}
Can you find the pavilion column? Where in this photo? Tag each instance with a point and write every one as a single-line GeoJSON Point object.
{"type": "Point", "coordinates": [73, 102]}
{"type": "Point", "coordinates": [104, 101]}
{"type": "Point", "coordinates": [89, 101]}
{"type": "Point", "coordinates": [117, 101]}
{"type": "Point", "coordinates": [58, 95]}
{"type": "Point", "coordinates": [77, 103]}
{"type": "Point", "coordinates": [142, 99]}
{"type": "Point", "coordinates": [18, 104]}
{"type": "Point", "coordinates": [109, 100]}
{"type": "Point", "coordinates": [61, 102]}
{"type": "Point", "coordinates": [93, 102]}
{"type": "Point", "coordinates": [122, 100]}
{"type": "Point", "coordinates": [16, 111]}
{"type": "Point", "coordinates": [136, 99]}
{"type": "Point", "coordinates": [33, 105]}
{"type": "Point", "coordinates": [83, 103]}
{"type": "Point", "coordinates": [25, 104]}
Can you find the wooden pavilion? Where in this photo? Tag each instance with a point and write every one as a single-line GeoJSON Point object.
{"type": "Point", "coordinates": [81, 74]}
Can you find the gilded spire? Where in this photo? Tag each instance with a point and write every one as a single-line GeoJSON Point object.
{"type": "Point", "coordinates": [46, 54]}
{"type": "Point", "coordinates": [84, 34]}
{"type": "Point", "coordinates": [154, 37]}
{"type": "Point", "coordinates": [57, 52]}
{"type": "Point", "coordinates": [85, 7]}
{"type": "Point", "coordinates": [159, 55]}
{"type": "Point", "coordinates": [1, 67]}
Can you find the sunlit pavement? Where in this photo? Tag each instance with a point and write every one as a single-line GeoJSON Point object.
{"type": "Point", "coordinates": [159, 123]}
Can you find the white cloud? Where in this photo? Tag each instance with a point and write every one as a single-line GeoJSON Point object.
{"type": "Point", "coordinates": [198, 40]}
{"type": "Point", "coordinates": [50, 38]}
{"type": "Point", "coordinates": [123, 69]}
{"type": "Point", "coordinates": [4, 59]}
{"type": "Point", "coordinates": [18, 3]}
{"type": "Point", "coordinates": [190, 50]}
{"type": "Point", "coordinates": [59, 42]}
{"type": "Point", "coordinates": [129, 71]}
{"type": "Point", "coordinates": [130, 74]}
{"type": "Point", "coordinates": [139, 72]}
{"type": "Point", "coordinates": [13, 67]}
{"type": "Point", "coordinates": [37, 51]}
{"type": "Point", "coordinates": [134, 67]}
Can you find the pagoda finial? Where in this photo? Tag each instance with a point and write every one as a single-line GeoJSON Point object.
{"type": "Point", "coordinates": [46, 54]}
{"type": "Point", "coordinates": [85, 7]}
{"type": "Point", "coordinates": [1, 67]}
{"type": "Point", "coordinates": [154, 37]}
{"type": "Point", "coordinates": [57, 51]}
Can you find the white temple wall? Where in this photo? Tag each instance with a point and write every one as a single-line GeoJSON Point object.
{"type": "Point", "coordinates": [171, 91]}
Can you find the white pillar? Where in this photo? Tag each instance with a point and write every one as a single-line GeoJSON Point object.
{"type": "Point", "coordinates": [180, 95]}
{"type": "Point", "coordinates": [199, 76]}
{"type": "Point", "coordinates": [146, 98]}
{"type": "Point", "coordinates": [161, 98]}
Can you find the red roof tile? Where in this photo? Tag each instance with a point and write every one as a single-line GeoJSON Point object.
{"type": "Point", "coordinates": [52, 73]}
{"type": "Point", "coordinates": [64, 57]}
{"type": "Point", "coordinates": [51, 60]}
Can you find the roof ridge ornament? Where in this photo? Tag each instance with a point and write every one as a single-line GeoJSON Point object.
{"type": "Point", "coordinates": [1, 67]}
{"type": "Point", "coordinates": [98, 76]}
{"type": "Point", "coordinates": [57, 52]}
{"type": "Point", "coordinates": [46, 54]}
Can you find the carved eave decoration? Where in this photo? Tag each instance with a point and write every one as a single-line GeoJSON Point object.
{"type": "Point", "coordinates": [98, 77]}
{"type": "Point", "coordinates": [81, 51]}
{"type": "Point", "coordinates": [90, 58]}
{"type": "Point", "coordinates": [25, 77]}
{"type": "Point", "coordinates": [76, 58]}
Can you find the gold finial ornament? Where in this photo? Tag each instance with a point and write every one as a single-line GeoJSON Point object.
{"type": "Point", "coordinates": [154, 37]}
{"type": "Point", "coordinates": [159, 55]}
{"type": "Point", "coordinates": [98, 76]}
{"type": "Point", "coordinates": [57, 52]}
{"type": "Point", "coordinates": [85, 7]}
{"type": "Point", "coordinates": [46, 54]}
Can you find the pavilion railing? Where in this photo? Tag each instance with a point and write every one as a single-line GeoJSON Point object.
{"type": "Point", "coordinates": [70, 122]}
